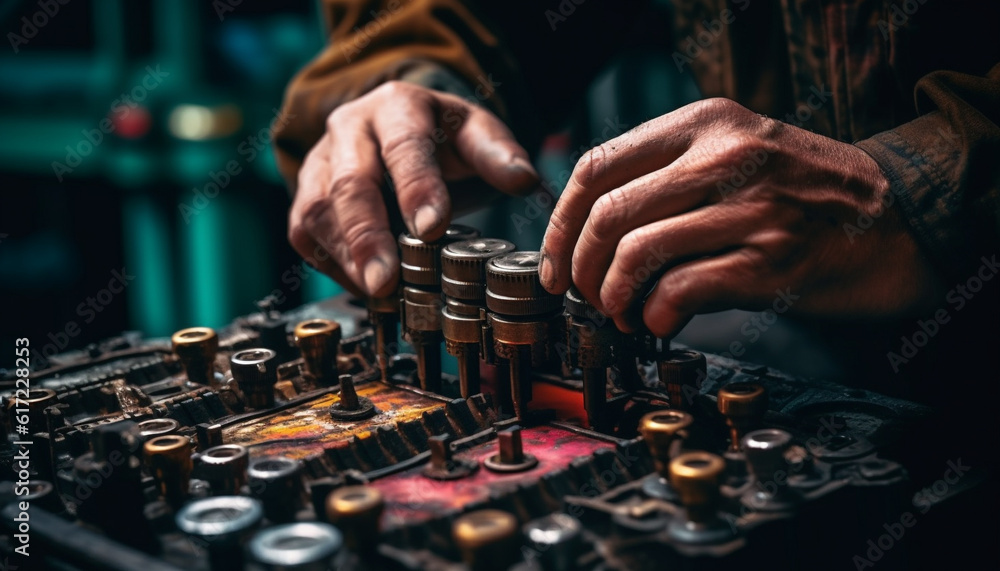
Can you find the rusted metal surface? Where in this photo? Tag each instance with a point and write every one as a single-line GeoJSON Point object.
{"type": "Point", "coordinates": [411, 497]}
{"type": "Point", "coordinates": [308, 429]}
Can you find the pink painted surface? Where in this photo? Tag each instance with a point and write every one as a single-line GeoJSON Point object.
{"type": "Point", "coordinates": [412, 497]}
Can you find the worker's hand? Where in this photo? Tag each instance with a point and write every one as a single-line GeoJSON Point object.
{"type": "Point", "coordinates": [714, 207]}
{"type": "Point", "coordinates": [422, 139]}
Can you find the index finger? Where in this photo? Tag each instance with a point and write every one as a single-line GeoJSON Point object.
{"type": "Point", "coordinates": [638, 152]}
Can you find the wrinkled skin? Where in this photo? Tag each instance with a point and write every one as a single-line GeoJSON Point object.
{"type": "Point", "coordinates": [649, 235]}
{"type": "Point", "coordinates": [422, 138]}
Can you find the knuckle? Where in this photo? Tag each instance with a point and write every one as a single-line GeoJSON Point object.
{"type": "Point", "coordinates": [557, 224]}
{"type": "Point", "coordinates": [410, 148]}
{"type": "Point", "coordinates": [590, 166]}
{"type": "Point", "coordinates": [360, 235]}
{"type": "Point", "coordinates": [605, 215]}
{"type": "Point", "coordinates": [349, 186]}
{"type": "Point", "coordinates": [392, 88]}
{"type": "Point", "coordinates": [630, 248]}
{"type": "Point", "coordinates": [340, 115]}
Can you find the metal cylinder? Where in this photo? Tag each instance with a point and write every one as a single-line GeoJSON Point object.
{"type": "Point", "coordinates": [681, 371]}
{"type": "Point", "coordinates": [487, 539]}
{"type": "Point", "coordinates": [357, 510]}
{"type": "Point", "coordinates": [222, 524]}
{"type": "Point", "coordinates": [660, 430]}
{"type": "Point", "coordinates": [277, 482]}
{"type": "Point", "coordinates": [308, 546]}
{"type": "Point", "coordinates": [319, 342]}
{"type": "Point", "coordinates": [197, 347]}
{"type": "Point", "coordinates": [169, 460]}
{"type": "Point", "coordinates": [225, 468]}
{"type": "Point", "coordinates": [256, 372]}
{"type": "Point", "coordinates": [743, 405]}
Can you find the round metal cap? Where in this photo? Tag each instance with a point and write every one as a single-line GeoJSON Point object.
{"type": "Point", "coordinates": [220, 517]}
{"type": "Point", "coordinates": [463, 266]}
{"type": "Point", "coordinates": [696, 477]}
{"type": "Point", "coordinates": [157, 427]}
{"type": "Point", "coordinates": [296, 545]}
{"type": "Point", "coordinates": [270, 468]}
{"type": "Point", "coordinates": [197, 341]}
{"type": "Point", "coordinates": [484, 527]}
{"type": "Point", "coordinates": [254, 367]}
{"type": "Point", "coordinates": [420, 261]}
{"type": "Point", "coordinates": [742, 400]}
{"type": "Point", "coordinates": [513, 287]}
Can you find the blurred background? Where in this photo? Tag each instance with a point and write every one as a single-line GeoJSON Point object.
{"type": "Point", "coordinates": [136, 136]}
{"type": "Point", "coordinates": [140, 191]}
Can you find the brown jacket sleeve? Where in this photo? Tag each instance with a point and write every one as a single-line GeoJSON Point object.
{"type": "Point", "coordinates": [944, 169]}
{"type": "Point", "coordinates": [440, 42]}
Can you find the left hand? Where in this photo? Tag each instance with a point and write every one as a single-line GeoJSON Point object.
{"type": "Point", "coordinates": [715, 207]}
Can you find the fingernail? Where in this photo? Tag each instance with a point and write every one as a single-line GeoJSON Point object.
{"type": "Point", "coordinates": [426, 219]}
{"type": "Point", "coordinates": [376, 275]}
{"type": "Point", "coordinates": [522, 164]}
{"type": "Point", "coordinates": [545, 272]}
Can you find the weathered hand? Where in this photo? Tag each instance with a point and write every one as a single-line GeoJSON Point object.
{"type": "Point", "coordinates": [715, 207]}
{"type": "Point", "coordinates": [422, 138]}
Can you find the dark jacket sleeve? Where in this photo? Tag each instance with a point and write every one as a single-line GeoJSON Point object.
{"type": "Point", "coordinates": [944, 169]}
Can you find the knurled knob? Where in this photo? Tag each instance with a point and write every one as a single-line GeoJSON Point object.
{"type": "Point", "coordinates": [421, 261]}
{"type": "Point", "coordinates": [680, 371]}
{"type": "Point", "coordinates": [463, 267]}
{"type": "Point", "coordinates": [513, 287]}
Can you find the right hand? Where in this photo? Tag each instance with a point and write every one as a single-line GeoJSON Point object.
{"type": "Point", "coordinates": [423, 139]}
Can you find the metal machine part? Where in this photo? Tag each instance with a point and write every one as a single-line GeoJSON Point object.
{"type": "Point", "coordinates": [463, 282]}
{"type": "Point", "coordinates": [319, 342]}
{"type": "Point", "coordinates": [256, 373]}
{"type": "Point", "coordinates": [422, 302]}
{"type": "Point", "coordinates": [196, 347]}
{"type": "Point", "coordinates": [306, 546]}
{"type": "Point", "coordinates": [222, 525]}
{"type": "Point", "coordinates": [225, 449]}
{"type": "Point", "coordinates": [593, 344]}
{"type": "Point", "coordinates": [523, 320]}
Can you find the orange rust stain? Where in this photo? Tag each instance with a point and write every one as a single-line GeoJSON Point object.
{"type": "Point", "coordinates": [308, 428]}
